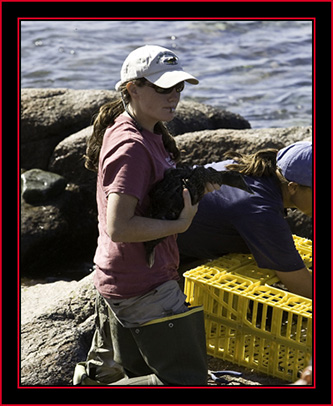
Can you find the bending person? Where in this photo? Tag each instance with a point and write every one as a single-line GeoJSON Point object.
{"type": "Point", "coordinates": [232, 220]}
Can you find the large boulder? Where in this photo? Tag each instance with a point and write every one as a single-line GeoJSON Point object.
{"type": "Point", "coordinates": [57, 324]}
{"type": "Point", "coordinates": [50, 115]}
{"type": "Point", "coordinates": [206, 146]}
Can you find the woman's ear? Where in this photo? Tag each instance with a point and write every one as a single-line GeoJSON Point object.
{"type": "Point", "coordinates": [132, 89]}
{"type": "Point", "coordinates": [292, 188]}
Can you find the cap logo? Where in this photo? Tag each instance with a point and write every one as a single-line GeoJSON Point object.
{"type": "Point", "coordinates": [167, 58]}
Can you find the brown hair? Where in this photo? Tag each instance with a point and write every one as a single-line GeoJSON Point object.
{"type": "Point", "coordinates": [262, 163]}
{"type": "Point", "coordinates": [106, 118]}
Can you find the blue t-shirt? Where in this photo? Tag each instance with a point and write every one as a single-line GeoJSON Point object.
{"type": "Point", "coordinates": [232, 220]}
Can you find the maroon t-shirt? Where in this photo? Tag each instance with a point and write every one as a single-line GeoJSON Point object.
{"type": "Point", "coordinates": [131, 162]}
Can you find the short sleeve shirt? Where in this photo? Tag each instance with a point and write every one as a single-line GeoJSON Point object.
{"type": "Point", "coordinates": [232, 220]}
{"type": "Point", "coordinates": [131, 162]}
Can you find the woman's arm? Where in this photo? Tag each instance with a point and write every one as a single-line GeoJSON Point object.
{"type": "Point", "coordinates": [124, 226]}
{"type": "Point", "coordinates": [299, 282]}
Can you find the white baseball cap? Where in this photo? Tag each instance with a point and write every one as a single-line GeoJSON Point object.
{"type": "Point", "coordinates": [157, 64]}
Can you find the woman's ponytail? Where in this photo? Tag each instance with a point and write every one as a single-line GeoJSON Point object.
{"type": "Point", "coordinates": [262, 163]}
{"type": "Point", "coordinates": [105, 118]}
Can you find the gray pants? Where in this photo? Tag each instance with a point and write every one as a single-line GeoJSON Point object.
{"type": "Point", "coordinates": [99, 367]}
{"type": "Point", "coordinates": [165, 300]}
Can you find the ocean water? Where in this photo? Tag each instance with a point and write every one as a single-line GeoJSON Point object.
{"type": "Point", "coordinates": [261, 69]}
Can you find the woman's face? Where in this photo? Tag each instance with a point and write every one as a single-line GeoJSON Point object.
{"type": "Point", "coordinates": [302, 199]}
{"type": "Point", "coordinates": [150, 106]}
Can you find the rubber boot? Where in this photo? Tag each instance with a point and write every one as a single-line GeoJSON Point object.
{"type": "Point", "coordinates": [174, 348]}
{"type": "Point", "coordinates": [126, 351]}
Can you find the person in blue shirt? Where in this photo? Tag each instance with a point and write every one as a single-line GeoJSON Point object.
{"type": "Point", "coordinates": [232, 220]}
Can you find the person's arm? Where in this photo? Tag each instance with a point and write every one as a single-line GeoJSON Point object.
{"type": "Point", "coordinates": [124, 226]}
{"type": "Point", "coordinates": [271, 243]}
{"type": "Point", "coordinates": [299, 282]}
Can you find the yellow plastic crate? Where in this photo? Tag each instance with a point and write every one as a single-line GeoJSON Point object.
{"type": "Point", "coordinates": [249, 322]}
{"type": "Point", "coordinates": [246, 266]}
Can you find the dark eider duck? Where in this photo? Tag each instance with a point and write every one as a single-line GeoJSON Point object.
{"type": "Point", "coordinates": [166, 197]}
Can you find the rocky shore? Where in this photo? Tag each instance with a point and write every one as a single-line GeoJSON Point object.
{"type": "Point", "coordinates": [58, 214]}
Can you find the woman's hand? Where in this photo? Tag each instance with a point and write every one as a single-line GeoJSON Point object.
{"type": "Point", "coordinates": [210, 187]}
{"type": "Point", "coordinates": [299, 282]}
{"type": "Point", "coordinates": [189, 210]}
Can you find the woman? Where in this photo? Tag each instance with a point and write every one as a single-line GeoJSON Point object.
{"type": "Point", "coordinates": [131, 149]}
{"type": "Point", "coordinates": [231, 220]}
